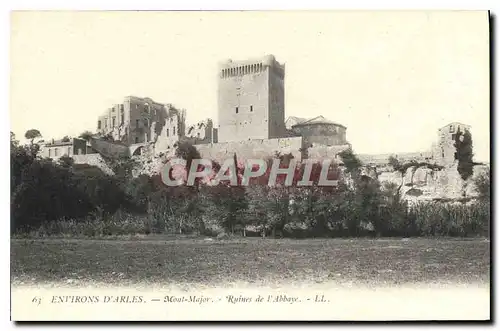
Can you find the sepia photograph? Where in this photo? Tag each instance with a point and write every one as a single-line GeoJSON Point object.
{"type": "Point", "coordinates": [306, 165]}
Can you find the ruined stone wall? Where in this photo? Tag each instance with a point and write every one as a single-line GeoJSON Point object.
{"type": "Point", "coordinates": [108, 148]}
{"type": "Point", "coordinates": [136, 120]}
{"type": "Point", "coordinates": [93, 160]}
{"type": "Point", "coordinates": [424, 184]}
{"type": "Point", "coordinates": [444, 149]}
{"type": "Point", "coordinates": [320, 152]}
{"type": "Point", "coordinates": [323, 134]}
{"type": "Point", "coordinates": [143, 112]}
{"type": "Point", "coordinates": [383, 159]}
{"type": "Point", "coordinates": [201, 132]}
{"type": "Point", "coordinates": [257, 148]}
{"type": "Point", "coordinates": [171, 133]}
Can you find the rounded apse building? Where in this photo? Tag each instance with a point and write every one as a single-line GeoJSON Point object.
{"type": "Point", "coordinates": [319, 130]}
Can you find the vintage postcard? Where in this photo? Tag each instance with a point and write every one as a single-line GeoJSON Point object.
{"type": "Point", "coordinates": [250, 165]}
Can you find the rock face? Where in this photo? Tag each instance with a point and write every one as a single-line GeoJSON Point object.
{"type": "Point", "coordinates": [417, 184]}
{"type": "Point", "coordinates": [427, 184]}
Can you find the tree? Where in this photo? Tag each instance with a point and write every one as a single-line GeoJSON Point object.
{"type": "Point", "coordinates": [108, 137]}
{"type": "Point", "coordinates": [42, 191]}
{"type": "Point", "coordinates": [394, 163]}
{"type": "Point", "coordinates": [86, 135]}
{"type": "Point", "coordinates": [66, 139]}
{"type": "Point", "coordinates": [350, 160]}
{"type": "Point", "coordinates": [464, 154]}
{"type": "Point", "coordinates": [483, 185]}
{"type": "Point", "coordinates": [187, 151]}
{"type": "Point", "coordinates": [66, 161]}
{"type": "Point", "coordinates": [13, 142]}
{"type": "Point", "coordinates": [32, 134]}
{"type": "Point", "coordinates": [122, 167]}
{"type": "Point", "coordinates": [397, 166]}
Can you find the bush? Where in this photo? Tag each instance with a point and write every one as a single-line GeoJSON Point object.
{"type": "Point", "coordinates": [447, 219]}
{"type": "Point", "coordinates": [72, 200]}
{"type": "Point", "coordinates": [119, 224]}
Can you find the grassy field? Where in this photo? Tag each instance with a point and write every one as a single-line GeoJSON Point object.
{"type": "Point", "coordinates": [254, 261]}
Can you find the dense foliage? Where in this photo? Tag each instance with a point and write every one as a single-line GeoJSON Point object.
{"type": "Point", "coordinates": [66, 198]}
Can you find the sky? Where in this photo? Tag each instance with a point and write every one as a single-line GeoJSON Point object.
{"type": "Point", "coordinates": [392, 78]}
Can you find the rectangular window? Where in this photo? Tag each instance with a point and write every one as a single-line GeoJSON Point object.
{"type": "Point", "coordinates": [251, 108]}
{"type": "Point", "coordinates": [114, 120]}
{"type": "Point", "coordinates": [236, 110]}
{"type": "Point", "coordinates": [167, 133]}
{"type": "Point", "coordinates": [98, 125]}
{"type": "Point", "coordinates": [122, 119]}
{"type": "Point", "coordinates": [173, 131]}
{"type": "Point", "coordinates": [50, 152]}
{"type": "Point", "coordinates": [121, 108]}
{"type": "Point", "coordinates": [136, 140]}
{"type": "Point", "coordinates": [136, 123]}
{"type": "Point", "coordinates": [453, 136]}
{"type": "Point", "coordinates": [69, 151]}
{"type": "Point", "coordinates": [451, 128]}
{"type": "Point", "coordinates": [55, 151]}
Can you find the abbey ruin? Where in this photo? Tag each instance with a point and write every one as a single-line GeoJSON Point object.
{"type": "Point", "coordinates": [251, 124]}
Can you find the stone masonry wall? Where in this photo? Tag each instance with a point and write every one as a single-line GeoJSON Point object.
{"type": "Point", "coordinates": [320, 152]}
{"type": "Point", "coordinates": [93, 160]}
{"type": "Point", "coordinates": [108, 148]}
{"type": "Point", "coordinates": [256, 148]}
{"type": "Point", "coordinates": [324, 134]}
{"type": "Point", "coordinates": [251, 100]}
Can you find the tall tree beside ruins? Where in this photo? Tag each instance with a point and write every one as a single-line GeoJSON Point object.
{"type": "Point", "coordinates": [86, 135]}
{"type": "Point", "coordinates": [32, 134]}
{"type": "Point", "coordinates": [464, 154]}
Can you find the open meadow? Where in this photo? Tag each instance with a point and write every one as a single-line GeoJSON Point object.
{"type": "Point", "coordinates": [163, 260]}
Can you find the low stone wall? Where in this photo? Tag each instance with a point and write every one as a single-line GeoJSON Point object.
{"type": "Point", "coordinates": [255, 149]}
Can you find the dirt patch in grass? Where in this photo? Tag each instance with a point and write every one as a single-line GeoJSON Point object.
{"type": "Point", "coordinates": [252, 261]}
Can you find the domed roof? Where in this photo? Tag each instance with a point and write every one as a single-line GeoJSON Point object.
{"type": "Point", "coordinates": [318, 120]}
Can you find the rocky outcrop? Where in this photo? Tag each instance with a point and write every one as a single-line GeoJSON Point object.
{"type": "Point", "coordinates": [423, 183]}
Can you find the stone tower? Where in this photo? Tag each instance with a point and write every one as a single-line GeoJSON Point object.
{"type": "Point", "coordinates": [444, 150]}
{"type": "Point", "coordinates": [251, 99]}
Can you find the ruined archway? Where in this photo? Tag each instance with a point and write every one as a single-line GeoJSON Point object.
{"type": "Point", "coordinates": [138, 151]}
